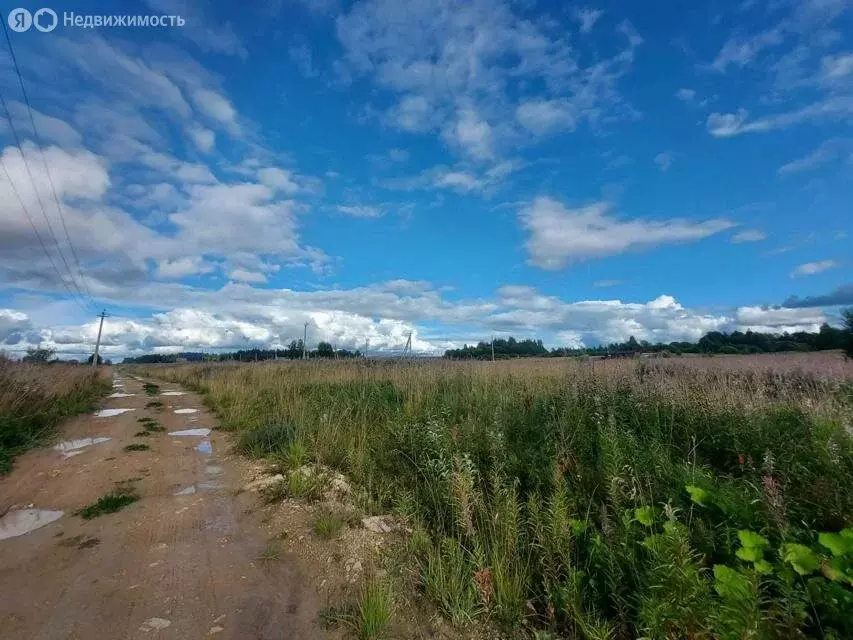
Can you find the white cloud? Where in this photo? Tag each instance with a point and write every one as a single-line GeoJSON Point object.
{"type": "Point", "coordinates": [182, 267]}
{"type": "Point", "coordinates": [559, 236]}
{"type": "Point", "coordinates": [825, 153]}
{"type": "Point", "coordinates": [724, 125]}
{"type": "Point", "coordinates": [748, 235]}
{"type": "Point", "coordinates": [359, 211]}
{"type": "Point", "coordinates": [209, 36]}
{"type": "Point", "coordinates": [811, 268]}
{"type": "Point", "coordinates": [686, 95]}
{"type": "Point", "coordinates": [664, 161]}
{"type": "Point", "coordinates": [50, 129]}
{"type": "Point", "coordinates": [836, 69]}
{"type": "Point", "coordinates": [279, 179]}
{"type": "Point", "coordinates": [465, 70]}
{"type": "Point", "coordinates": [217, 107]}
{"type": "Point", "coordinates": [741, 51]}
{"type": "Point", "coordinates": [471, 134]}
{"type": "Point", "coordinates": [204, 139]}
{"type": "Point", "coordinates": [412, 113]}
{"type": "Point", "coordinates": [542, 117]}
{"type": "Point", "coordinates": [244, 275]}
{"type": "Point", "coordinates": [587, 18]}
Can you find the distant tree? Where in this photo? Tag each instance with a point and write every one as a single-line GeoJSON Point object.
{"type": "Point", "coordinates": [325, 350]}
{"type": "Point", "coordinates": [847, 314]}
{"type": "Point", "coordinates": [100, 359]}
{"type": "Point", "coordinates": [39, 355]}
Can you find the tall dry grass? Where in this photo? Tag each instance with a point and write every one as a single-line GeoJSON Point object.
{"type": "Point", "coordinates": [672, 498]}
{"type": "Point", "coordinates": [35, 398]}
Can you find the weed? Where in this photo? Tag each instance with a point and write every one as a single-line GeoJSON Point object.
{"type": "Point", "coordinates": [35, 399]}
{"type": "Point", "coordinates": [596, 500]}
{"type": "Point", "coordinates": [271, 552]}
{"type": "Point", "coordinates": [151, 389]}
{"type": "Point", "coordinates": [136, 447]}
{"type": "Point", "coordinates": [141, 434]}
{"type": "Point", "coordinates": [111, 502]}
{"type": "Point", "coordinates": [154, 404]}
{"type": "Point", "coordinates": [372, 610]}
{"type": "Point", "coordinates": [328, 522]}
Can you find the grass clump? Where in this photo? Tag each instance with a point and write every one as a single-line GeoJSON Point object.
{"type": "Point", "coordinates": [328, 522]}
{"type": "Point", "coordinates": [696, 498]}
{"type": "Point", "coordinates": [368, 617]}
{"type": "Point", "coordinates": [111, 502]}
{"type": "Point", "coordinates": [36, 398]}
{"type": "Point", "coordinates": [154, 404]}
{"type": "Point", "coordinates": [136, 447]}
{"type": "Point", "coordinates": [151, 389]}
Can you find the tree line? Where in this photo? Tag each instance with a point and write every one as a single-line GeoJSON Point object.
{"type": "Point", "coordinates": [714, 342]}
{"type": "Point", "coordinates": [292, 352]}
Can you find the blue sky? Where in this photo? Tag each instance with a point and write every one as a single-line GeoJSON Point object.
{"type": "Point", "coordinates": [575, 172]}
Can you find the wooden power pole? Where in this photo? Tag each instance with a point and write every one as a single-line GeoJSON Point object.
{"type": "Point", "coordinates": [101, 315]}
{"type": "Point", "coordinates": [305, 342]}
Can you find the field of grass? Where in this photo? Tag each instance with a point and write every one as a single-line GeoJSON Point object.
{"type": "Point", "coordinates": [683, 498]}
{"type": "Point", "coordinates": [35, 398]}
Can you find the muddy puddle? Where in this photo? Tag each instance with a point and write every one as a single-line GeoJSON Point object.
{"type": "Point", "coordinates": [109, 413]}
{"type": "Point", "coordinates": [121, 395]}
{"type": "Point", "coordinates": [183, 411]}
{"type": "Point", "coordinates": [191, 432]}
{"type": "Point", "coordinates": [172, 393]}
{"type": "Point", "coordinates": [74, 447]}
{"type": "Point", "coordinates": [200, 487]}
{"type": "Point", "coordinates": [21, 521]}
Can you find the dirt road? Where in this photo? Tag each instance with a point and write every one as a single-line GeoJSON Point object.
{"type": "Point", "coordinates": [182, 562]}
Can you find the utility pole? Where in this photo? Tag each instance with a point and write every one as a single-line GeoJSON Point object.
{"type": "Point", "coordinates": [493, 348]}
{"type": "Point", "coordinates": [102, 315]}
{"type": "Point", "coordinates": [407, 350]}
{"type": "Point", "coordinates": [305, 342]}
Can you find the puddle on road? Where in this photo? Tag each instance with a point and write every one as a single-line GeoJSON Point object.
{"type": "Point", "coordinates": [109, 413]}
{"type": "Point", "coordinates": [121, 395]}
{"type": "Point", "coordinates": [200, 487]}
{"type": "Point", "coordinates": [172, 393]}
{"type": "Point", "coordinates": [212, 469]}
{"type": "Point", "coordinates": [205, 447]}
{"type": "Point", "coordinates": [186, 410]}
{"type": "Point", "coordinates": [191, 432]}
{"type": "Point", "coordinates": [17, 523]}
{"type": "Point", "coordinates": [72, 447]}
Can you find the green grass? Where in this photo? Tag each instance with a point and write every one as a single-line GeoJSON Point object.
{"type": "Point", "coordinates": [136, 447]}
{"type": "Point", "coordinates": [114, 501]}
{"type": "Point", "coordinates": [270, 552]}
{"type": "Point", "coordinates": [372, 611]}
{"type": "Point", "coordinates": [154, 404]}
{"type": "Point", "coordinates": [328, 522]}
{"type": "Point", "coordinates": [593, 500]}
{"type": "Point", "coordinates": [36, 399]}
{"type": "Point", "coordinates": [151, 389]}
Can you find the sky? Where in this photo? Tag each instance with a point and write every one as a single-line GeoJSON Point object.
{"type": "Point", "coordinates": [579, 173]}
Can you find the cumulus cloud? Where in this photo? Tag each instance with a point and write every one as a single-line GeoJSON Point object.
{"type": "Point", "coordinates": [466, 70]}
{"type": "Point", "coordinates": [559, 235]}
{"type": "Point", "coordinates": [218, 108]}
{"type": "Point", "coordinates": [383, 315]}
{"type": "Point", "coordinates": [811, 268]}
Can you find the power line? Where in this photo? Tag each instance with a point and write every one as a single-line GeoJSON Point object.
{"type": "Point", "coordinates": [35, 230]}
{"type": "Point", "coordinates": [44, 162]}
{"type": "Point", "coordinates": [38, 195]}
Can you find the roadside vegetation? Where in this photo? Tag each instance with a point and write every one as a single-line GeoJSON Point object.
{"type": "Point", "coordinates": [694, 498]}
{"type": "Point", "coordinates": [36, 398]}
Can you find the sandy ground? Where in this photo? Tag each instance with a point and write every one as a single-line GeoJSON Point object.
{"type": "Point", "coordinates": [168, 566]}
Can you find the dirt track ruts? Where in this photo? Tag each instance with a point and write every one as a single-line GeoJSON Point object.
{"type": "Point", "coordinates": [191, 560]}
